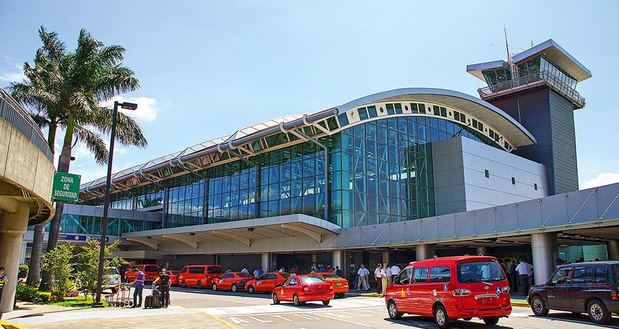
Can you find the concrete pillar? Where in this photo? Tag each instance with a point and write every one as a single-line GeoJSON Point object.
{"type": "Point", "coordinates": [338, 260]}
{"type": "Point", "coordinates": [543, 249]}
{"type": "Point", "coordinates": [386, 258]}
{"type": "Point", "coordinates": [482, 251]}
{"type": "Point", "coordinates": [613, 249]}
{"type": "Point", "coordinates": [266, 261]}
{"type": "Point", "coordinates": [12, 228]}
{"type": "Point", "coordinates": [314, 259]}
{"type": "Point", "coordinates": [425, 251]}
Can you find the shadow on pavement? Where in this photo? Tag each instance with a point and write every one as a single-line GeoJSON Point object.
{"type": "Point", "coordinates": [424, 322]}
{"type": "Point", "coordinates": [579, 318]}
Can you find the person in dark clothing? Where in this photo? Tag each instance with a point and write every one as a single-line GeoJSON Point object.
{"type": "Point", "coordinates": [164, 281]}
{"type": "Point", "coordinates": [514, 276]}
{"type": "Point", "coordinates": [338, 272]}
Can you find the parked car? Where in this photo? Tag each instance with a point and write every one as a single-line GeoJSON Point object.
{"type": "Point", "coordinates": [451, 288]}
{"type": "Point", "coordinates": [199, 275]}
{"type": "Point", "coordinates": [113, 279]}
{"type": "Point", "coordinates": [174, 277]}
{"type": "Point", "coordinates": [580, 288]}
{"type": "Point", "coordinates": [151, 272]}
{"type": "Point", "coordinates": [234, 281]}
{"type": "Point", "coordinates": [303, 288]}
{"type": "Point", "coordinates": [266, 282]}
{"type": "Point", "coordinates": [340, 285]}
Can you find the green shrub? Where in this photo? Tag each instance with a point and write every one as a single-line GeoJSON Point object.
{"type": "Point", "coordinates": [23, 271]}
{"type": "Point", "coordinates": [57, 263]}
{"type": "Point", "coordinates": [44, 296]}
{"type": "Point", "coordinates": [27, 293]}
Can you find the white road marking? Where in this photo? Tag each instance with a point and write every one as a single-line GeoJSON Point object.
{"type": "Point", "coordinates": [237, 320]}
{"type": "Point", "coordinates": [261, 321]}
{"type": "Point", "coordinates": [353, 322]}
{"type": "Point", "coordinates": [306, 316]}
{"type": "Point", "coordinates": [281, 317]}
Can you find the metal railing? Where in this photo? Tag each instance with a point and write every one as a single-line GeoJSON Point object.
{"type": "Point", "coordinates": [15, 115]}
{"type": "Point", "coordinates": [533, 79]}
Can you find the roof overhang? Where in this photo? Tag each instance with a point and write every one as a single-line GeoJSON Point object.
{"type": "Point", "coordinates": [494, 116]}
{"type": "Point", "coordinates": [244, 231]}
{"type": "Point", "coordinates": [558, 56]}
{"type": "Point", "coordinates": [477, 69]}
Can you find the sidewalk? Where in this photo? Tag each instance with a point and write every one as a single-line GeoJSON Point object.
{"type": "Point", "coordinates": [49, 316]}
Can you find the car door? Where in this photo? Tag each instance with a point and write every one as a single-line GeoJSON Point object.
{"type": "Point", "coordinates": [403, 286]}
{"type": "Point", "coordinates": [582, 278]}
{"type": "Point", "coordinates": [558, 289]}
{"type": "Point", "coordinates": [419, 293]}
{"type": "Point", "coordinates": [270, 281]}
{"type": "Point", "coordinates": [287, 289]}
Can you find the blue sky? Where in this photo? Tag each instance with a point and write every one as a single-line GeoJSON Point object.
{"type": "Point", "coordinates": [209, 68]}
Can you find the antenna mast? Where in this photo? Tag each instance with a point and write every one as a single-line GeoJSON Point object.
{"type": "Point", "coordinates": [509, 60]}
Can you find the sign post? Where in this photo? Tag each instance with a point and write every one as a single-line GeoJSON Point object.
{"type": "Point", "coordinates": [66, 187]}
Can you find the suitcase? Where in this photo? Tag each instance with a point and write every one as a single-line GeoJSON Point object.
{"type": "Point", "coordinates": [156, 299]}
{"type": "Point", "coordinates": [148, 302]}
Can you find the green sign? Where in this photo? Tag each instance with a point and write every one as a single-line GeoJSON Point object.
{"type": "Point", "coordinates": [66, 187]}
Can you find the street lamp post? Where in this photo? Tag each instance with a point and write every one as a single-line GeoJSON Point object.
{"type": "Point", "coordinates": [106, 199]}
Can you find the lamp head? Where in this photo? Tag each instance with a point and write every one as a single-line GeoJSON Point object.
{"type": "Point", "coordinates": [129, 106]}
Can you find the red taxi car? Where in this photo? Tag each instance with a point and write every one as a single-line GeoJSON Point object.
{"type": "Point", "coordinates": [340, 285]}
{"type": "Point", "coordinates": [174, 277]}
{"type": "Point", "coordinates": [199, 275]}
{"type": "Point", "coordinates": [451, 288]}
{"type": "Point", "coordinates": [266, 282]}
{"type": "Point", "coordinates": [151, 272]}
{"type": "Point", "coordinates": [231, 281]}
{"type": "Point", "coordinates": [303, 288]}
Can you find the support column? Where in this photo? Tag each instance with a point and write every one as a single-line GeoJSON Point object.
{"type": "Point", "coordinates": [425, 251]}
{"type": "Point", "coordinates": [266, 261]}
{"type": "Point", "coordinates": [12, 228]}
{"type": "Point", "coordinates": [482, 251]}
{"type": "Point", "coordinates": [613, 249]}
{"type": "Point", "coordinates": [543, 249]}
{"type": "Point", "coordinates": [386, 258]}
{"type": "Point", "coordinates": [314, 259]}
{"type": "Point", "coordinates": [338, 260]}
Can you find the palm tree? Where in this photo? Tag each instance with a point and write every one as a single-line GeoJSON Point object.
{"type": "Point", "coordinates": [65, 90]}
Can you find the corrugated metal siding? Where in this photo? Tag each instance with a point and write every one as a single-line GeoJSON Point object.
{"type": "Point", "coordinates": [564, 144]}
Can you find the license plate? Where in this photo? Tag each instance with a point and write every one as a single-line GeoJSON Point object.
{"type": "Point", "coordinates": [339, 284]}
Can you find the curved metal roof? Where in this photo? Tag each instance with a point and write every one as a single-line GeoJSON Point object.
{"type": "Point", "coordinates": [491, 114]}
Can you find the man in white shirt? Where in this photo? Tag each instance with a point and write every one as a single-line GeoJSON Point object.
{"type": "Point", "coordinates": [245, 270]}
{"type": "Point", "coordinates": [524, 271]}
{"type": "Point", "coordinates": [377, 277]}
{"type": "Point", "coordinates": [363, 278]}
{"type": "Point", "coordinates": [395, 271]}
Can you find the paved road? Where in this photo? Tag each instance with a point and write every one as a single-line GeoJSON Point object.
{"type": "Point", "coordinates": [257, 311]}
{"type": "Point", "coordinates": [193, 308]}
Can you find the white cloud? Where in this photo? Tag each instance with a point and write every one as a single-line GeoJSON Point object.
{"type": "Point", "coordinates": [147, 107]}
{"type": "Point", "coordinates": [602, 179]}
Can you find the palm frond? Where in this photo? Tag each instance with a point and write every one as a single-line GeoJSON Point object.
{"type": "Point", "coordinates": [93, 141]}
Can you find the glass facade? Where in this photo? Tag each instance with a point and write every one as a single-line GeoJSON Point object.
{"type": "Point", "coordinates": [379, 171]}
{"type": "Point", "coordinates": [79, 224]}
{"type": "Point", "coordinates": [541, 64]}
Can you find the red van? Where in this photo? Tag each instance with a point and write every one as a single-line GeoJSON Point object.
{"type": "Point", "coordinates": [451, 288]}
{"type": "Point", "coordinates": [151, 272]}
{"type": "Point", "coordinates": [199, 275]}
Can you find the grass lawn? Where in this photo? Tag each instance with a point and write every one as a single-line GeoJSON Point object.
{"type": "Point", "coordinates": [77, 302]}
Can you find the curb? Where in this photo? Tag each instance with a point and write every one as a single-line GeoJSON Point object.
{"type": "Point", "coordinates": [371, 295]}
{"type": "Point", "coordinates": [520, 304]}
{"type": "Point", "coordinates": [7, 325]}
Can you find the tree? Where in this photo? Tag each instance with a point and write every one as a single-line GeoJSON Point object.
{"type": "Point", "coordinates": [57, 263]}
{"type": "Point", "coordinates": [88, 266]}
{"type": "Point", "coordinates": [65, 90]}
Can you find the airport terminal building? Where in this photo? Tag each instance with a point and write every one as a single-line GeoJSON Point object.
{"type": "Point", "coordinates": [394, 176]}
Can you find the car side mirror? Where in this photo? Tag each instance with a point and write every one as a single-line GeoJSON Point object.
{"type": "Point", "coordinates": [396, 280]}
{"type": "Point", "coordinates": [550, 283]}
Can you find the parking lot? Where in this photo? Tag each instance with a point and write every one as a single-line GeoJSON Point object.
{"type": "Point", "coordinates": [193, 308]}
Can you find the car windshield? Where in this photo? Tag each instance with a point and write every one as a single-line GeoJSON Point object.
{"type": "Point", "coordinates": [151, 269]}
{"type": "Point", "coordinates": [174, 272]}
{"type": "Point", "coordinates": [284, 274]}
{"type": "Point", "coordinates": [243, 275]}
{"type": "Point", "coordinates": [311, 279]}
{"type": "Point", "coordinates": [480, 272]}
{"type": "Point", "coordinates": [330, 276]}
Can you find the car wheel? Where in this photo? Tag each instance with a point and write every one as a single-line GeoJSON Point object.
{"type": "Point", "coordinates": [538, 306]}
{"type": "Point", "coordinates": [234, 287]}
{"type": "Point", "coordinates": [199, 284]}
{"type": "Point", "coordinates": [441, 318]}
{"type": "Point", "coordinates": [214, 286]}
{"type": "Point", "coordinates": [275, 299]}
{"type": "Point", "coordinates": [392, 309]}
{"type": "Point", "coordinates": [183, 284]}
{"type": "Point", "coordinates": [598, 313]}
{"type": "Point", "coordinates": [295, 300]}
{"type": "Point", "coordinates": [326, 302]}
{"type": "Point", "coordinates": [491, 321]}
{"type": "Point", "coordinates": [250, 289]}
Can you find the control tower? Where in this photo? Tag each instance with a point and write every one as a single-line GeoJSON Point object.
{"type": "Point", "coordinates": [537, 87]}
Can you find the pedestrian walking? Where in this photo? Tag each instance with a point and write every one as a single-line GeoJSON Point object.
{"type": "Point", "coordinates": [384, 278]}
{"type": "Point", "coordinates": [138, 284]}
{"type": "Point", "coordinates": [395, 272]}
{"type": "Point", "coordinates": [338, 272]}
{"type": "Point", "coordinates": [364, 274]}
{"type": "Point", "coordinates": [523, 274]}
{"type": "Point", "coordinates": [164, 284]}
{"type": "Point", "coordinates": [3, 282]}
{"type": "Point", "coordinates": [377, 277]}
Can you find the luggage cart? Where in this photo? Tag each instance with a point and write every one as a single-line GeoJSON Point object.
{"type": "Point", "coordinates": [122, 297]}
